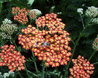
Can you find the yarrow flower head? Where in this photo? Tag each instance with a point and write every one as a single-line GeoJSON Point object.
{"type": "Point", "coordinates": [20, 14]}
{"type": "Point", "coordinates": [55, 51]}
{"type": "Point", "coordinates": [51, 21]}
{"type": "Point", "coordinates": [52, 46]}
{"type": "Point", "coordinates": [91, 11]}
{"type": "Point", "coordinates": [34, 13]}
{"type": "Point", "coordinates": [80, 10]}
{"type": "Point", "coordinates": [81, 69]}
{"type": "Point", "coordinates": [11, 58]}
{"type": "Point", "coordinates": [95, 44]}
{"type": "Point", "coordinates": [6, 21]}
{"type": "Point", "coordinates": [8, 28]}
{"type": "Point", "coordinates": [32, 37]}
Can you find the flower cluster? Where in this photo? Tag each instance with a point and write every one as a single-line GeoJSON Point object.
{"type": "Point", "coordinates": [8, 28]}
{"type": "Point", "coordinates": [51, 21]}
{"type": "Point", "coordinates": [34, 13]}
{"type": "Point", "coordinates": [95, 44]}
{"type": "Point", "coordinates": [80, 10]}
{"type": "Point", "coordinates": [11, 58]}
{"type": "Point", "coordinates": [55, 50]}
{"type": "Point", "coordinates": [7, 21]}
{"type": "Point", "coordinates": [52, 46]}
{"type": "Point", "coordinates": [91, 12]}
{"type": "Point", "coordinates": [82, 68]}
{"type": "Point", "coordinates": [20, 14]}
{"type": "Point", "coordinates": [32, 37]}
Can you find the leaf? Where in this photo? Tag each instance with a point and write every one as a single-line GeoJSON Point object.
{"type": "Point", "coordinates": [30, 2]}
{"type": "Point", "coordinates": [0, 7]}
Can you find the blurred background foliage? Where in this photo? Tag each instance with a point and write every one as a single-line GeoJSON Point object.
{"type": "Point", "coordinates": [69, 15]}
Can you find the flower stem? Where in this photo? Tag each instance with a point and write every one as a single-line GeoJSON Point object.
{"type": "Point", "coordinates": [26, 70]}
{"type": "Point", "coordinates": [43, 71]}
{"type": "Point", "coordinates": [82, 21]}
{"type": "Point", "coordinates": [35, 64]}
{"type": "Point", "coordinates": [92, 55]}
{"type": "Point", "coordinates": [20, 74]}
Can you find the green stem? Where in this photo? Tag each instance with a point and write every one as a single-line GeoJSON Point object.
{"type": "Point", "coordinates": [26, 70]}
{"type": "Point", "coordinates": [20, 74]}
{"type": "Point", "coordinates": [43, 71]}
{"type": "Point", "coordinates": [92, 55]}
{"type": "Point", "coordinates": [82, 21]}
{"type": "Point", "coordinates": [35, 63]}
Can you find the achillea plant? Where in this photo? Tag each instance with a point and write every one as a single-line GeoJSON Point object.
{"type": "Point", "coordinates": [20, 14]}
{"type": "Point", "coordinates": [56, 52]}
{"type": "Point", "coordinates": [7, 21]}
{"type": "Point", "coordinates": [31, 37]}
{"type": "Point", "coordinates": [8, 28]}
{"type": "Point", "coordinates": [51, 45]}
{"type": "Point", "coordinates": [81, 69]}
{"type": "Point", "coordinates": [11, 58]}
{"type": "Point", "coordinates": [51, 21]}
{"type": "Point", "coordinates": [91, 12]}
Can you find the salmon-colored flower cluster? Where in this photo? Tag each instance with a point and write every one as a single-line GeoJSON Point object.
{"type": "Point", "coordinates": [11, 58]}
{"type": "Point", "coordinates": [82, 68]}
{"type": "Point", "coordinates": [55, 50]}
{"type": "Point", "coordinates": [20, 14]}
{"type": "Point", "coordinates": [51, 21]}
{"type": "Point", "coordinates": [31, 38]}
{"type": "Point", "coordinates": [52, 46]}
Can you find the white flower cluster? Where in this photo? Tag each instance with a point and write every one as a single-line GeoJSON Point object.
{"type": "Point", "coordinates": [80, 10]}
{"type": "Point", "coordinates": [6, 75]}
{"type": "Point", "coordinates": [7, 29]}
{"type": "Point", "coordinates": [6, 21]}
{"type": "Point", "coordinates": [91, 12]}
